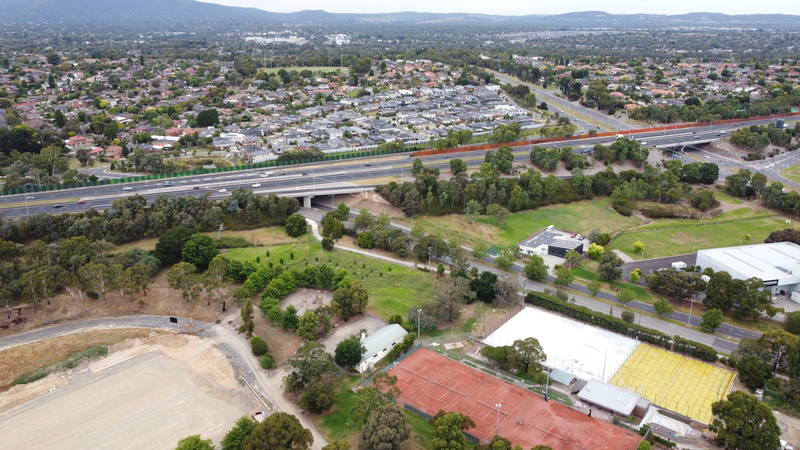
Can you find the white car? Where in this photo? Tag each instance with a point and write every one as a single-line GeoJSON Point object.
{"type": "Point", "coordinates": [223, 190]}
{"type": "Point", "coordinates": [127, 188]}
{"type": "Point", "coordinates": [257, 185]}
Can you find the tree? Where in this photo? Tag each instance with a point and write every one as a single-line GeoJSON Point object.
{"type": "Point", "coordinates": [498, 443]}
{"type": "Point", "coordinates": [792, 322]}
{"type": "Point", "coordinates": [337, 445]}
{"type": "Point", "coordinates": [638, 247]}
{"type": "Point", "coordinates": [451, 295]}
{"type": "Point", "coordinates": [310, 364]}
{"type": "Point", "coordinates": [96, 276]}
{"type": "Point", "coordinates": [753, 372]}
{"type": "Point", "coordinates": [536, 269]}
{"type": "Point", "coordinates": [183, 276]}
{"type": "Point", "coordinates": [507, 257]}
{"type": "Point", "coordinates": [289, 319]}
{"type": "Point", "coordinates": [506, 291]}
{"type": "Point", "coordinates": [307, 325]}
{"type": "Point", "coordinates": [610, 267]}
{"type": "Point", "coordinates": [194, 442]}
{"type": "Point", "coordinates": [247, 316]}
{"type": "Point", "coordinates": [318, 397]}
{"type": "Point", "coordinates": [385, 429]}
{"type": "Point", "coordinates": [624, 296]}
{"type": "Point", "coordinates": [594, 287]}
{"type": "Point", "coordinates": [663, 307]}
{"type": "Point", "coordinates": [595, 251]}
{"type": "Point", "coordinates": [208, 117]}
{"type": "Point", "coordinates": [296, 225]}
{"type": "Point", "coordinates": [234, 439]}
{"type": "Point", "coordinates": [572, 258]}
{"type": "Point", "coordinates": [447, 430]}
{"type": "Point", "coordinates": [457, 166]}
{"type": "Point", "coordinates": [367, 400]}
{"type": "Point", "coordinates": [350, 301]}
{"type": "Point", "coordinates": [217, 282]}
{"type": "Point", "coordinates": [719, 291]}
{"type": "Point", "coordinates": [744, 423]}
{"type": "Point", "coordinates": [628, 316]}
{"type": "Point", "coordinates": [645, 445]}
{"type": "Point", "coordinates": [199, 250]}
{"type": "Point", "coordinates": [564, 276]}
{"type": "Point", "coordinates": [170, 245]}
{"type": "Point", "coordinates": [526, 352]}
{"type": "Point", "coordinates": [332, 227]}
{"type": "Point", "coordinates": [349, 352]}
{"type": "Point", "coordinates": [417, 166]}
{"type": "Point", "coordinates": [280, 431]}
{"type": "Point", "coordinates": [484, 286]}
{"type": "Point", "coordinates": [712, 319]}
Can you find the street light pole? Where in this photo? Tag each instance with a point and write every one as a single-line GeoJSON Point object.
{"type": "Point", "coordinates": [691, 305]}
{"type": "Point", "coordinates": [497, 424]}
{"type": "Point", "coordinates": [27, 213]}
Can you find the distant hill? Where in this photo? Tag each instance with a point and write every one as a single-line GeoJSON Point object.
{"type": "Point", "coordinates": [183, 12]}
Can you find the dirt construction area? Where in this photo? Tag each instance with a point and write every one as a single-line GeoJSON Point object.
{"type": "Point", "coordinates": [147, 393]}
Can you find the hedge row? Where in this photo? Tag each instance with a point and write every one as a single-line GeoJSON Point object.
{"type": "Point", "coordinates": [160, 176]}
{"type": "Point", "coordinates": [617, 325]}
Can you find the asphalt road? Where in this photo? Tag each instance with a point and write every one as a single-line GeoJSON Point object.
{"type": "Point", "coordinates": [567, 108]}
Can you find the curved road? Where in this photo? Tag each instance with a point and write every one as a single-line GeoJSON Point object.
{"type": "Point", "coordinates": [267, 386]}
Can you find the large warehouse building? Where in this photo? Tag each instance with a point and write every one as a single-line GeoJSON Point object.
{"type": "Point", "coordinates": [777, 264]}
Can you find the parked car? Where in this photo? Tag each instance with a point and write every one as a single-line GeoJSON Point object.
{"type": "Point", "coordinates": [574, 235]}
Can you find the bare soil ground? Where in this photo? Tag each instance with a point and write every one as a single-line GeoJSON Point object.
{"type": "Point", "coordinates": [304, 299]}
{"type": "Point", "coordinates": [160, 300]}
{"type": "Point", "coordinates": [22, 359]}
{"type": "Point", "coordinates": [149, 392]}
{"type": "Point", "coordinates": [282, 343]}
{"type": "Point", "coordinates": [724, 147]}
{"type": "Point", "coordinates": [372, 201]}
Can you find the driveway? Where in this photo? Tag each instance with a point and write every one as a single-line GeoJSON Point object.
{"type": "Point", "coordinates": [340, 333]}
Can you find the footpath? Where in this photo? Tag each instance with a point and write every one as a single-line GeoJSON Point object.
{"type": "Point", "coordinates": [604, 302]}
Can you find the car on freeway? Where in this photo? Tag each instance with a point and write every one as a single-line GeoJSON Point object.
{"type": "Point", "coordinates": [196, 187]}
{"type": "Point", "coordinates": [81, 202]}
{"type": "Point", "coordinates": [58, 206]}
{"type": "Point", "coordinates": [127, 188]}
{"type": "Point", "coordinates": [283, 173]}
{"type": "Point", "coordinates": [257, 185]}
{"type": "Point", "coordinates": [367, 165]}
{"type": "Point", "coordinates": [223, 190]}
{"type": "Point", "coordinates": [167, 183]}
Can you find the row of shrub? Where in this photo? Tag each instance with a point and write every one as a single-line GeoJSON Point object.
{"type": "Point", "coordinates": [611, 323]}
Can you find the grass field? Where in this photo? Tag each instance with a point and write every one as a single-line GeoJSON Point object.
{"type": "Point", "coordinates": [580, 217]}
{"type": "Point", "coordinates": [792, 173]}
{"type": "Point", "coordinates": [679, 237]}
{"type": "Point", "coordinates": [393, 289]}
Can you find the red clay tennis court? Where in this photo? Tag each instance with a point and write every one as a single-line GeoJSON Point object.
{"type": "Point", "coordinates": [431, 382]}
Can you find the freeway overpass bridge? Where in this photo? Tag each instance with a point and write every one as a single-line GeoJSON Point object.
{"type": "Point", "coordinates": [307, 193]}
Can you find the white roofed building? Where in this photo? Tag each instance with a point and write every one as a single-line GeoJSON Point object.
{"type": "Point", "coordinates": [379, 344]}
{"type": "Point", "coordinates": [777, 264]}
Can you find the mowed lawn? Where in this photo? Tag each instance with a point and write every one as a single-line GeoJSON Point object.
{"type": "Point", "coordinates": [678, 237]}
{"type": "Point", "coordinates": [792, 173]}
{"type": "Point", "coordinates": [393, 289]}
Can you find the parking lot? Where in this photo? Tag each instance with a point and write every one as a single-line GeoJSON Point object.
{"type": "Point", "coordinates": [648, 266]}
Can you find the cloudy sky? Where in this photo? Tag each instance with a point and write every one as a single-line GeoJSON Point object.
{"type": "Point", "coordinates": [520, 7]}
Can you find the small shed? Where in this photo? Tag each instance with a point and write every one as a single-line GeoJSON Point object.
{"type": "Point", "coordinates": [565, 378]}
{"type": "Point", "coordinates": [379, 344]}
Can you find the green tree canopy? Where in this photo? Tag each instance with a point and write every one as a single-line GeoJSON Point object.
{"type": "Point", "coordinates": [234, 439]}
{"type": "Point", "coordinates": [349, 352]}
{"type": "Point", "coordinates": [170, 246]}
{"type": "Point", "coordinates": [385, 429]}
{"type": "Point", "coordinates": [199, 250]}
{"type": "Point", "coordinates": [744, 423]}
{"type": "Point", "coordinates": [280, 431]}
{"type": "Point", "coordinates": [194, 442]}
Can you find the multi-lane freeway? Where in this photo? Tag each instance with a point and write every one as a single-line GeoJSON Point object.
{"type": "Point", "coordinates": [306, 177]}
